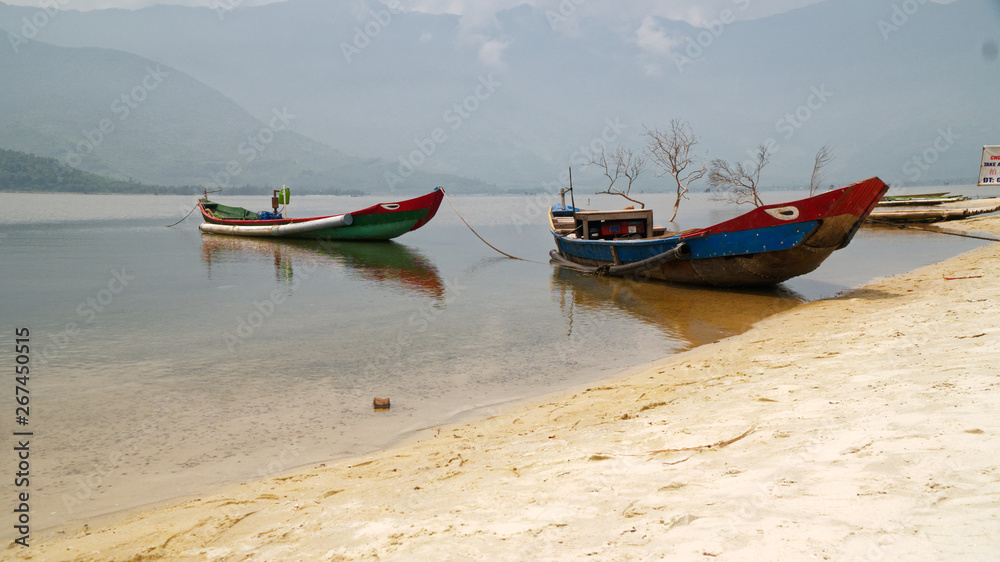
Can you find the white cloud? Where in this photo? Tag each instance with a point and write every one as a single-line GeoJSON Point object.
{"type": "Point", "coordinates": [651, 38]}
{"type": "Point", "coordinates": [434, 6]}
{"type": "Point", "coordinates": [655, 45]}
{"type": "Point", "coordinates": [491, 53]}
{"type": "Point", "coordinates": [474, 16]}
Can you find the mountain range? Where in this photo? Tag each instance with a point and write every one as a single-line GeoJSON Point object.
{"type": "Point", "coordinates": [136, 120]}
{"type": "Point", "coordinates": [391, 99]}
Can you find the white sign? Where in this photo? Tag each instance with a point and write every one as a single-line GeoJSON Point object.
{"type": "Point", "coordinates": [989, 172]}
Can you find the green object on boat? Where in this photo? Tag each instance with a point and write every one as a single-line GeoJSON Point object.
{"type": "Point", "coordinates": [284, 196]}
{"type": "Point", "coordinates": [227, 212]}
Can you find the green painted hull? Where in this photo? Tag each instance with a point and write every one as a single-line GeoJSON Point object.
{"type": "Point", "coordinates": [371, 227]}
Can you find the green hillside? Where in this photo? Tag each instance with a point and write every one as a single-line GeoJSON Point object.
{"type": "Point", "coordinates": [26, 172]}
{"type": "Point", "coordinates": [22, 172]}
{"type": "Point", "coordinates": [131, 119]}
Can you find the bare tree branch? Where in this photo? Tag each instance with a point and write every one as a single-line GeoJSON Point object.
{"type": "Point", "coordinates": [823, 157]}
{"type": "Point", "coordinates": [671, 150]}
{"type": "Point", "coordinates": [622, 162]}
{"type": "Point", "coordinates": [737, 183]}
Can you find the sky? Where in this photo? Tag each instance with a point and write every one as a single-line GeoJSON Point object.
{"type": "Point", "coordinates": [635, 36]}
{"type": "Point", "coordinates": [480, 13]}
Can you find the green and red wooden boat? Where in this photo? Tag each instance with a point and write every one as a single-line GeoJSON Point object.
{"type": "Point", "coordinates": [765, 246]}
{"type": "Point", "coordinates": [383, 221]}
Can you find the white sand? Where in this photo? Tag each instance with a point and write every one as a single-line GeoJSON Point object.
{"type": "Point", "coordinates": [861, 428]}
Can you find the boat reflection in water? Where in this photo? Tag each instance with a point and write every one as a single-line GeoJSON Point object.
{"type": "Point", "coordinates": [388, 264]}
{"type": "Point", "coordinates": [690, 315]}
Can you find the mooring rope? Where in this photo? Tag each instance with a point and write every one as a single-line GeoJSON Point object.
{"type": "Point", "coordinates": [936, 230]}
{"type": "Point", "coordinates": [185, 216]}
{"type": "Point", "coordinates": [480, 237]}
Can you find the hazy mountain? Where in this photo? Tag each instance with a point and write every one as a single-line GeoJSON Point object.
{"type": "Point", "coordinates": [899, 89]}
{"type": "Point", "coordinates": [24, 172]}
{"type": "Point", "coordinates": [131, 118]}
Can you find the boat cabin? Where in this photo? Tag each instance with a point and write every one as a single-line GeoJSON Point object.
{"type": "Point", "coordinates": [611, 225]}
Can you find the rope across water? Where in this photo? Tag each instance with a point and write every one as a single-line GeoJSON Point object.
{"type": "Point", "coordinates": [185, 216]}
{"type": "Point", "coordinates": [480, 237]}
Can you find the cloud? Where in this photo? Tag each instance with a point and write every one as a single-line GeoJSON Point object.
{"type": "Point", "coordinates": [474, 16]}
{"type": "Point", "coordinates": [651, 38]}
{"type": "Point", "coordinates": [434, 6]}
{"type": "Point", "coordinates": [491, 53]}
{"type": "Point", "coordinates": [655, 46]}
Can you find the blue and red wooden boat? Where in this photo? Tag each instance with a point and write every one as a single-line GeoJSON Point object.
{"type": "Point", "coordinates": [378, 222]}
{"type": "Point", "coordinates": [765, 246]}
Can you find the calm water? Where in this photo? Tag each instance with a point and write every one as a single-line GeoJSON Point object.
{"type": "Point", "coordinates": [166, 362]}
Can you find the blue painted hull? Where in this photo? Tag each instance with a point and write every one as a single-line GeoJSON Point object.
{"type": "Point", "coordinates": [710, 246]}
{"type": "Point", "coordinates": [747, 258]}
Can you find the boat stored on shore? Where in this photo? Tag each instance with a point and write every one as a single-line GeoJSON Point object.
{"type": "Point", "coordinates": [919, 200]}
{"type": "Point", "coordinates": [765, 246]}
{"type": "Point", "coordinates": [937, 212]}
{"type": "Point", "coordinates": [383, 221]}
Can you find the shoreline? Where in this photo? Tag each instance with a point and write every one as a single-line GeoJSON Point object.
{"type": "Point", "coordinates": [845, 428]}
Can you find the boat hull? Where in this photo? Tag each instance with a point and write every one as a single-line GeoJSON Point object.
{"type": "Point", "coordinates": [383, 221]}
{"type": "Point", "coordinates": [943, 212]}
{"type": "Point", "coordinates": [766, 246]}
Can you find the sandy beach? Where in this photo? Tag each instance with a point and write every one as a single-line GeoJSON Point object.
{"type": "Point", "coordinates": [863, 427]}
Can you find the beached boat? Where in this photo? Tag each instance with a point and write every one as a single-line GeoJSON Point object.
{"type": "Point", "coordinates": [765, 246]}
{"type": "Point", "coordinates": [378, 222]}
{"type": "Point", "coordinates": [919, 200]}
{"type": "Point", "coordinates": [937, 212]}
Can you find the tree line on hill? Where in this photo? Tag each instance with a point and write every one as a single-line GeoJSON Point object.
{"type": "Point", "coordinates": [23, 172]}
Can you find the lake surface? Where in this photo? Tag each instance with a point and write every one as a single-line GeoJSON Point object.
{"type": "Point", "coordinates": [166, 362]}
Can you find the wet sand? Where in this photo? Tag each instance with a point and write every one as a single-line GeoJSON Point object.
{"type": "Point", "coordinates": [857, 428]}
